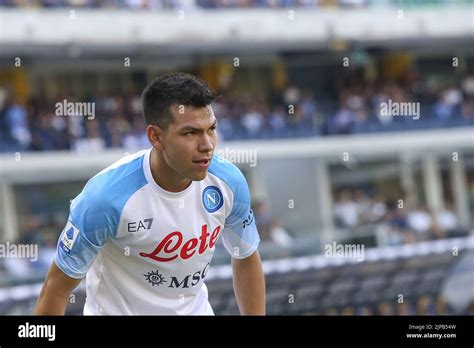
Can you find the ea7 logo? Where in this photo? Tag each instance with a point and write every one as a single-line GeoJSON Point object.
{"type": "Point", "coordinates": [136, 226]}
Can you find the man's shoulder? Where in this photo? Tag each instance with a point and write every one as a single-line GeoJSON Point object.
{"type": "Point", "coordinates": [227, 172]}
{"type": "Point", "coordinates": [113, 186]}
{"type": "Point", "coordinates": [124, 165]}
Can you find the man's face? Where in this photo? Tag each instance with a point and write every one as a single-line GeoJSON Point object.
{"type": "Point", "coordinates": [189, 142]}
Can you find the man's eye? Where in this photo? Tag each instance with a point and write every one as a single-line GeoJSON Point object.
{"type": "Point", "coordinates": [189, 133]}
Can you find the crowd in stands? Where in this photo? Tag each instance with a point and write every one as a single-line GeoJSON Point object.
{"type": "Point", "coordinates": [221, 4]}
{"type": "Point", "coordinates": [355, 107]}
{"type": "Point", "coordinates": [395, 223]}
{"type": "Point", "coordinates": [180, 4]}
{"type": "Point", "coordinates": [40, 232]}
{"type": "Point", "coordinates": [363, 105]}
{"type": "Point", "coordinates": [422, 305]}
{"type": "Point", "coordinates": [269, 227]}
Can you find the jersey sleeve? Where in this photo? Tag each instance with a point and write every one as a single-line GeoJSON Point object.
{"type": "Point", "coordinates": [240, 235]}
{"type": "Point", "coordinates": [90, 224]}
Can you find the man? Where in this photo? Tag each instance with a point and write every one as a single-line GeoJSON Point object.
{"type": "Point", "coordinates": [143, 231]}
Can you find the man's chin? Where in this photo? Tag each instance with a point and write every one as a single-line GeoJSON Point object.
{"type": "Point", "coordinates": [199, 176]}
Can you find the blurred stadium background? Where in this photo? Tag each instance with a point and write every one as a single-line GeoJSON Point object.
{"type": "Point", "coordinates": [301, 85]}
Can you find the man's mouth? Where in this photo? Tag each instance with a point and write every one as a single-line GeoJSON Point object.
{"type": "Point", "coordinates": [203, 162]}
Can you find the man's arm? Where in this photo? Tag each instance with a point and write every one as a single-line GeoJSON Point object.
{"type": "Point", "coordinates": [249, 284]}
{"type": "Point", "coordinates": [54, 295]}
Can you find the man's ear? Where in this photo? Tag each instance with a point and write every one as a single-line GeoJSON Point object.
{"type": "Point", "coordinates": [155, 136]}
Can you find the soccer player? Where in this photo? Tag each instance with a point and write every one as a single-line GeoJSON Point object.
{"type": "Point", "coordinates": [143, 231]}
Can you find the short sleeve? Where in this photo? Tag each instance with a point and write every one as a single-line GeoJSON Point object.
{"type": "Point", "coordinates": [240, 235]}
{"type": "Point", "coordinates": [95, 214]}
{"type": "Point", "coordinates": [89, 226]}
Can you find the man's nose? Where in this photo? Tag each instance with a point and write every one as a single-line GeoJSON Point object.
{"type": "Point", "coordinates": [206, 144]}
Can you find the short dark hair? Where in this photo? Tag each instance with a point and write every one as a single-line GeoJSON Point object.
{"type": "Point", "coordinates": [171, 90]}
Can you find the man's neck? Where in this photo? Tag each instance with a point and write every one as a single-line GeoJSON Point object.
{"type": "Point", "coordinates": [164, 175]}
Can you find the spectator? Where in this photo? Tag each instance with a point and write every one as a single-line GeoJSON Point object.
{"type": "Point", "coordinates": [363, 206]}
{"type": "Point", "coordinates": [445, 222]}
{"type": "Point", "coordinates": [277, 120]}
{"type": "Point", "coordinates": [344, 120]}
{"type": "Point", "coordinates": [385, 308]}
{"type": "Point", "coordinates": [270, 228]}
{"type": "Point", "coordinates": [291, 95]}
{"type": "Point", "coordinates": [442, 306]}
{"type": "Point", "coordinates": [136, 138]}
{"type": "Point", "coordinates": [279, 235]}
{"type": "Point", "coordinates": [346, 210]}
{"type": "Point", "coordinates": [93, 142]}
{"type": "Point", "coordinates": [445, 108]}
{"type": "Point", "coordinates": [378, 209]}
{"type": "Point", "coordinates": [348, 311]}
{"type": "Point", "coordinates": [253, 120]}
{"type": "Point", "coordinates": [308, 109]}
{"type": "Point", "coordinates": [470, 309]}
{"type": "Point", "coordinates": [420, 221]}
{"type": "Point", "coordinates": [331, 311]}
{"type": "Point", "coordinates": [16, 120]}
{"type": "Point", "coordinates": [364, 310]}
{"type": "Point", "coordinates": [263, 219]}
{"type": "Point", "coordinates": [424, 306]}
{"type": "Point", "coordinates": [31, 232]}
{"type": "Point", "coordinates": [405, 308]}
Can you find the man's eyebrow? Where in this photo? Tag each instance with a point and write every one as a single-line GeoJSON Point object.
{"type": "Point", "coordinates": [191, 128]}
